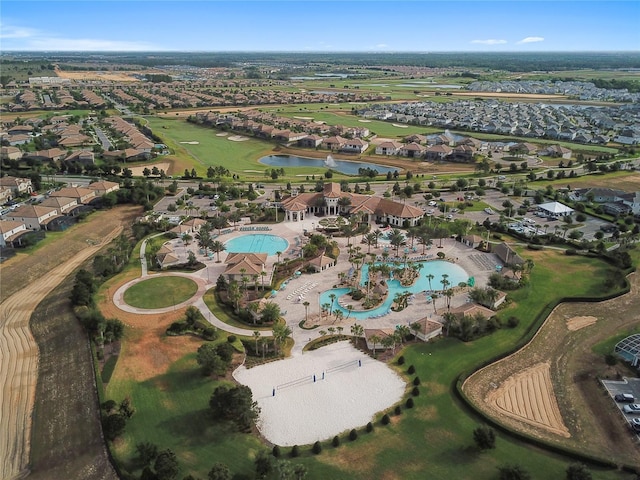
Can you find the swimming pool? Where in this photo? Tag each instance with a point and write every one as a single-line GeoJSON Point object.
{"type": "Point", "coordinates": [257, 243]}
{"type": "Point", "coordinates": [437, 268]}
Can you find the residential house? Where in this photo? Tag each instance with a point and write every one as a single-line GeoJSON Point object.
{"type": "Point", "coordinates": [10, 153]}
{"type": "Point", "coordinates": [34, 217]}
{"type": "Point", "coordinates": [83, 157]}
{"type": "Point", "coordinates": [438, 152]}
{"type": "Point", "coordinates": [506, 254]}
{"type": "Point", "coordinates": [10, 231]}
{"type": "Point", "coordinates": [64, 205]}
{"type": "Point", "coordinates": [388, 148]}
{"type": "Point", "coordinates": [19, 185]}
{"type": "Point", "coordinates": [103, 187]}
{"type": "Point", "coordinates": [354, 145]}
{"type": "Point", "coordinates": [82, 195]}
{"type": "Point", "coordinates": [310, 141]}
{"type": "Point", "coordinates": [412, 150]}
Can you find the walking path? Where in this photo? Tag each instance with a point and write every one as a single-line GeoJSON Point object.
{"type": "Point", "coordinates": [19, 363]}
{"type": "Point", "coordinates": [293, 310]}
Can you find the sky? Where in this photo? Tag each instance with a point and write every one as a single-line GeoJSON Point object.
{"type": "Point", "coordinates": [320, 26]}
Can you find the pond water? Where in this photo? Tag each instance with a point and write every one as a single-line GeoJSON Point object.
{"type": "Point", "coordinates": [342, 166]}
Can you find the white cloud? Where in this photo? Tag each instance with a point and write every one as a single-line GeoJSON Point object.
{"type": "Point", "coordinates": [490, 41]}
{"type": "Point", "coordinates": [382, 45]}
{"type": "Point", "coordinates": [11, 31]}
{"type": "Point", "coordinates": [81, 44]}
{"type": "Point", "coordinates": [25, 38]}
{"type": "Point", "coordinates": [531, 40]}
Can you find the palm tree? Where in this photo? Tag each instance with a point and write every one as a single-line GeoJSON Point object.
{"type": "Point", "coordinates": [375, 339]}
{"type": "Point", "coordinates": [256, 336]}
{"type": "Point", "coordinates": [331, 330]}
{"type": "Point", "coordinates": [388, 342]}
{"type": "Point", "coordinates": [203, 238]}
{"type": "Point", "coordinates": [415, 328]}
{"type": "Point", "coordinates": [357, 330]}
{"type": "Point", "coordinates": [280, 333]}
{"type": "Point", "coordinates": [349, 310]}
{"type": "Point", "coordinates": [217, 246]}
{"type": "Point", "coordinates": [370, 239]}
{"type": "Point", "coordinates": [430, 277]}
{"type": "Point", "coordinates": [403, 332]}
{"type": "Point", "coordinates": [234, 295]}
{"type": "Point", "coordinates": [339, 315]}
{"type": "Point", "coordinates": [448, 293]}
{"type": "Point", "coordinates": [333, 299]}
{"type": "Point", "coordinates": [396, 239]}
{"type": "Point", "coordinates": [306, 310]}
{"type": "Point", "coordinates": [278, 254]}
{"type": "Point", "coordinates": [325, 307]}
{"type": "Point", "coordinates": [186, 238]}
{"type": "Point", "coordinates": [263, 274]}
{"type": "Point", "coordinates": [339, 329]}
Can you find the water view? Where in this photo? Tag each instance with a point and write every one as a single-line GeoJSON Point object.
{"type": "Point", "coordinates": [342, 166]}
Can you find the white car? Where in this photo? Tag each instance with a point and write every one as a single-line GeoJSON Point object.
{"type": "Point", "coordinates": [433, 203]}
{"type": "Point", "coordinates": [488, 211]}
{"type": "Point", "coordinates": [632, 408]}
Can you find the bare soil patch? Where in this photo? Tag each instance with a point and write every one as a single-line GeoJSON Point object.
{"type": "Point", "coordinates": [137, 171]}
{"type": "Point", "coordinates": [594, 425]}
{"type": "Point", "coordinates": [26, 268]}
{"type": "Point", "coordinates": [92, 75]}
{"type": "Point", "coordinates": [576, 323]}
{"type": "Point", "coordinates": [528, 396]}
{"type": "Point", "coordinates": [33, 278]}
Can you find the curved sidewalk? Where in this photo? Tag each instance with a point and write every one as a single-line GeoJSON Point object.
{"type": "Point", "coordinates": [196, 300]}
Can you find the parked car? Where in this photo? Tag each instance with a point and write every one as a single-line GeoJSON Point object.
{"type": "Point", "coordinates": [635, 424]}
{"type": "Point", "coordinates": [488, 211]}
{"type": "Point", "coordinates": [624, 397]}
{"type": "Point", "coordinates": [632, 408]}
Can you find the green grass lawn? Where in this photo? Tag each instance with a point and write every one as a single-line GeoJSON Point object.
{"type": "Point", "coordinates": [434, 438]}
{"type": "Point", "coordinates": [172, 412]}
{"type": "Point", "coordinates": [210, 300]}
{"type": "Point", "coordinates": [160, 292]}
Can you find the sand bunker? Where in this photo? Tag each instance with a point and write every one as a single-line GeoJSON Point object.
{"type": "Point", "coordinates": [400, 126]}
{"type": "Point", "coordinates": [237, 138]}
{"type": "Point", "coordinates": [576, 323]}
{"type": "Point", "coordinates": [191, 143]}
{"type": "Point", "coordinates": [355, 387]}
{"type": "Point", "coordinates": [222, 134]}
{"type": "Point", "coordinates": [304, 118]}
{"type": "Point", "coordinates": [528, 396]}
{"type": "Point", "coordinates": [365, 121]}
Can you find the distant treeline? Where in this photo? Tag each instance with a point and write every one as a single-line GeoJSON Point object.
{"type": "Point", "coordinates": [510, 61]}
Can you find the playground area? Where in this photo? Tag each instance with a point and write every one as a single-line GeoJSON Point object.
{"type": "Point", "coordinates": [320, 394]}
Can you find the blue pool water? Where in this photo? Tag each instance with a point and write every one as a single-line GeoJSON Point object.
{"type": "Point", "coordinates": [346, 167]}
{"type": "Point", "coordinates": [436, 268]}
{"type": "Point", "coordinates": [257, 243]}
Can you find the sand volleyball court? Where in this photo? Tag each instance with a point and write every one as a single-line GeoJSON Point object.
{"type": "Point", "coordinates": [296, 410]}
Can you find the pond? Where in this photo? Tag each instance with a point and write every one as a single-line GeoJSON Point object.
{"type": "Point", "coordinates": [342, 166]}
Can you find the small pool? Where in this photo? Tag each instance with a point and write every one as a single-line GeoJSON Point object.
{"type": "Point", "coordinates": [437, 268]}
{"type": "Point", "coordinates": [257, 243]}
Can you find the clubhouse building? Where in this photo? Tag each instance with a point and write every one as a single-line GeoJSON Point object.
{"type": "Point", "coordinates": [333, 201]}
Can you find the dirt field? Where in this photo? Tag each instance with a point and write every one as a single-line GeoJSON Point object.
{"type": "Point", "coordinates": [528, 396]}
{"type": "Point", "coordinates": [90, 75]}
{"type": "Point", "coordinates": [564, 345]}
{"type": "Point", "coordinates": [147, 351]}
{"type": "Point", "coordinates": [137, 171]}
{"type": "Point", "coordinates": [27, 280]}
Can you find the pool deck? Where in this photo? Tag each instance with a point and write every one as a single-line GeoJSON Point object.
{"type": "Point", "coordinates": [476, 264]}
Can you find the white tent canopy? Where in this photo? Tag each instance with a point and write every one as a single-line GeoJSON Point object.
{"type": "Point", "coordinates": [556, 209]}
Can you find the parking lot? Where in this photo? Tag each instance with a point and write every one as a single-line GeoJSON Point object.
{"type": "Point", "coordinates": [629, 386]}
